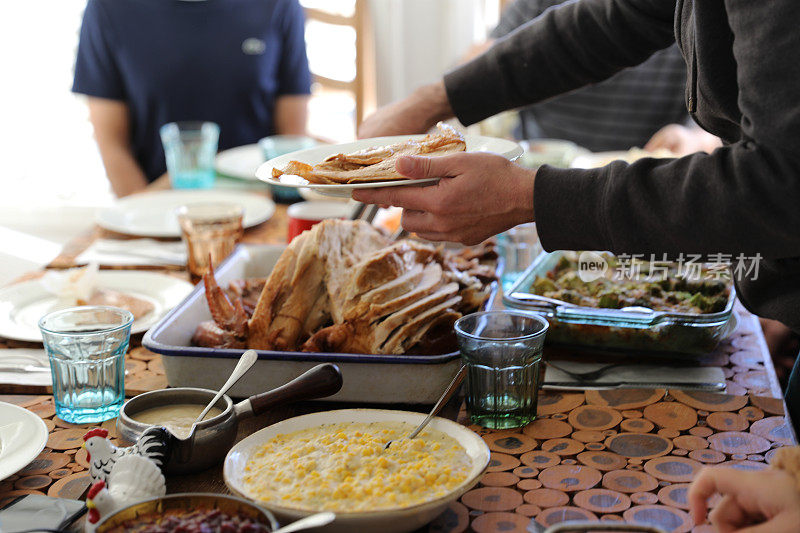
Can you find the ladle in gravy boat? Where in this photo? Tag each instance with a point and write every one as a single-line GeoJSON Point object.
{"type": "Point", "coordinates": [213, 437]}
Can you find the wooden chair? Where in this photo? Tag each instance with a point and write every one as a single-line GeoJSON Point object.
{"type": "Point", "coordinates": [363, 85]}
{"type": "Point", "coordinates": [504, 4]}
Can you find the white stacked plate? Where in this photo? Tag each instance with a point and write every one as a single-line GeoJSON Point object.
{"type": "Point", "coordinates": [153, 214]}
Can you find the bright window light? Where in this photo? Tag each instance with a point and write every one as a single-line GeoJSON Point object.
{"type": "Point", "coordinates": [337, 7]}
{"type": "Point", "coordinates": [331, 50]}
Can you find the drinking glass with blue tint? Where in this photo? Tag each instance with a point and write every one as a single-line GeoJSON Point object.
{"type": "Point", "coordinates": [190, 148]}
{"type": "Point", "coordinates": [278, 145]}
{"type": "Point", "coordinates": [502, 351]}
{"type": "Point", "coordinates": [86, 347]}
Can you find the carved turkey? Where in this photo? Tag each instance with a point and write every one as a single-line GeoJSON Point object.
{"type": "Point", "coordinates": [377, 163]}
{"type": "Point", "coordinates": [345, 287]}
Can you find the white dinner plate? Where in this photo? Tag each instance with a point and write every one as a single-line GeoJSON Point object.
{"type": "Point", "coordinates": [22, 436]}
{"type": "Point", "coordinates": [598, 159]}
{"type": "Point", "coordinates": [385, 521]}
{"type": "Point", "coordinates": [243, 161]}
{"type": "Point", "coordinates": [312, 156]}
{"type": "Point", "coordinates": [152, 214]}
{"type": "Point", "coordinates": [240, 162]}
{"type": "Point", "coordinates": [23, 304]}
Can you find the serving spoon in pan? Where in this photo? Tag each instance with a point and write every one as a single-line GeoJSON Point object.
{"type": "Point", "coordinates": [213, 437]}
{"type": "Point", "coordinates": [246, 361]}
{"type": "Point", "coordinates": [315, 520]}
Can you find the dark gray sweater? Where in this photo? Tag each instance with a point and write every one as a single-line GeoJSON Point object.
{"type": "Point", "coordinates": [743, 66]}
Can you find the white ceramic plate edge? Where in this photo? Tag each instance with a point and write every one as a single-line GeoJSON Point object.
{"type": "Point", "coordinates": [597, 159]}
{"type": "Point", "coordinates": [240, 162]}
{"type": "Point", "coordinates": [508, 149]}
{"type": "Point", "coordinates": [106, 280]}
{"type": "Point", "coordinates": [102, 216]}
{"type": "Point", "coordinates": [241, 452]}
{"type": "Point", "coordinates": [12, 465]}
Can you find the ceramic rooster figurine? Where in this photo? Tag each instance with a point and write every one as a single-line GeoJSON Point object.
{"type": "Point", "coordinates": [101, 454]}
{"type": "Point", "coordinates": [133, 478]}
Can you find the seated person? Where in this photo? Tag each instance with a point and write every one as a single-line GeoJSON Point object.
{"type": "Point", "coordinates": [625, 110]}
{"type": "Point", "coordinates": [145, 63]}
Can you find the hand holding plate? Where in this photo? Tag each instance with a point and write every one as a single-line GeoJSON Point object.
{"type": "Point", "coordinates": [481, 195]}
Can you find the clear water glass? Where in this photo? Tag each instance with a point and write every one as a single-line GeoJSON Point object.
{"type": "Point", "coordinates": [190, 149]}
{"type": "Point", "coordinates": [518, 247]}
{"type": "Point", "coordinates": [86, 347]}
{"type": "Point", "coordinates": [210, 230]}
{"type": "Point", "coordinates": [502, 351]}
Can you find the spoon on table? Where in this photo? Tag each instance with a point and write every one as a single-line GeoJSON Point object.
{"type": "Point", "coordinates": [315, 520]}
{"type": "Point", "coordinates": [448, 393]}
{"type": "Point", "coordinates": [247, 360]}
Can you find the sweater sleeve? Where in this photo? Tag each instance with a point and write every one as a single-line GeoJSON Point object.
{"type": "Point", "coordinates": [549, 55]}
{"type": "Point", "coordinates": [518, 13]}
{"type": "Point", "coordinates": [742, 198]}
{"type": "Point", "coordinates": [96, 71]}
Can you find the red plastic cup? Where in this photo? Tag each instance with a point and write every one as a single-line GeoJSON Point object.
{"type": "Point", "coordinates": [303, 215]}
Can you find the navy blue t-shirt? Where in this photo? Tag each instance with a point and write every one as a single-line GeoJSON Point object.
{"type": "Point", "coordinates": [170, 60]}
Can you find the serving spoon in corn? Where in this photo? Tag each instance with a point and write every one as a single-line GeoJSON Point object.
{"type": "Point", "coordinates": [448, 393]}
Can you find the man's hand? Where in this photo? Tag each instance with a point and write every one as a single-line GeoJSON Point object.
{"type": "Point", "coordinates": [479, 195]}
{"type": "Point", "coordinates": [765, 501]}
{"type": "Point", "coordinates": [416, 114]}
{"type": "Point", "coordinates": [682, 141]}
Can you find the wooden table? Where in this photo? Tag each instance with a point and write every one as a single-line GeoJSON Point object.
{"type": "Point", "coordinates": [600, 455]}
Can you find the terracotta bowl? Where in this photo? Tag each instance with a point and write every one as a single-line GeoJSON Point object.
{"type": "Point", "coordinates": [188, 502]}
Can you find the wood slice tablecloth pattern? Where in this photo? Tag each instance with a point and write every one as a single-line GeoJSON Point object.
{"type": "Point", "coordinates": [587, 457]}
{"type": "Point", "coordinates": [612, 474]}
{"type": "Point", "coordinates": [593, 463]}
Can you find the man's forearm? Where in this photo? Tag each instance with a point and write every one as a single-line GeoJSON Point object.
{"type": "Point", "coordinates": [433, 99]}
{"type": "Point", "coordinates": [111, 123]}
{"type": "Point", "coordinates": [124, 173]}
{"type": "Point", "coordinates": [415, 114]}
{"type": "Point", "coordinates": [291, 113]}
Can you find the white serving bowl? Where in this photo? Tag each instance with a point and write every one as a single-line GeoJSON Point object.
{"type": "Point", "coordinates": [383, 521]}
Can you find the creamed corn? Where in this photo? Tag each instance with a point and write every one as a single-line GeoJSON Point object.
{"type": "Point", "coordinates": [344, 468]}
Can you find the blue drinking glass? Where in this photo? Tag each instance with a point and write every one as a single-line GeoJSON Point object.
{"type": "Point", "coordinates": [278, 145]}
{"type": "Point", "coordinates": [86, 347]}
{"type": "Point", "coordinates": [190, 148]}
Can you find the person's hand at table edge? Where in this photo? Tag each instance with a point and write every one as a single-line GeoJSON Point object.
{"type": "Point", "coordinates": [417, 113]}
{"type": "Point", "coordinates": [764, 501]}
{"type": "Point", "coordinates": [681, 140]}
{"type": "Point", "coordinates": [479, 195]}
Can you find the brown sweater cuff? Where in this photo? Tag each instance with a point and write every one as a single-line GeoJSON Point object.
{"type": "Point", "coordinates": [568, 204]}
{"type": "Point", "coordinates": [788, 460]}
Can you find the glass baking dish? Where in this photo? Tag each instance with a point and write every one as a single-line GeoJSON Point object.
{"type": "Point", "coordinates": [633, 329]}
